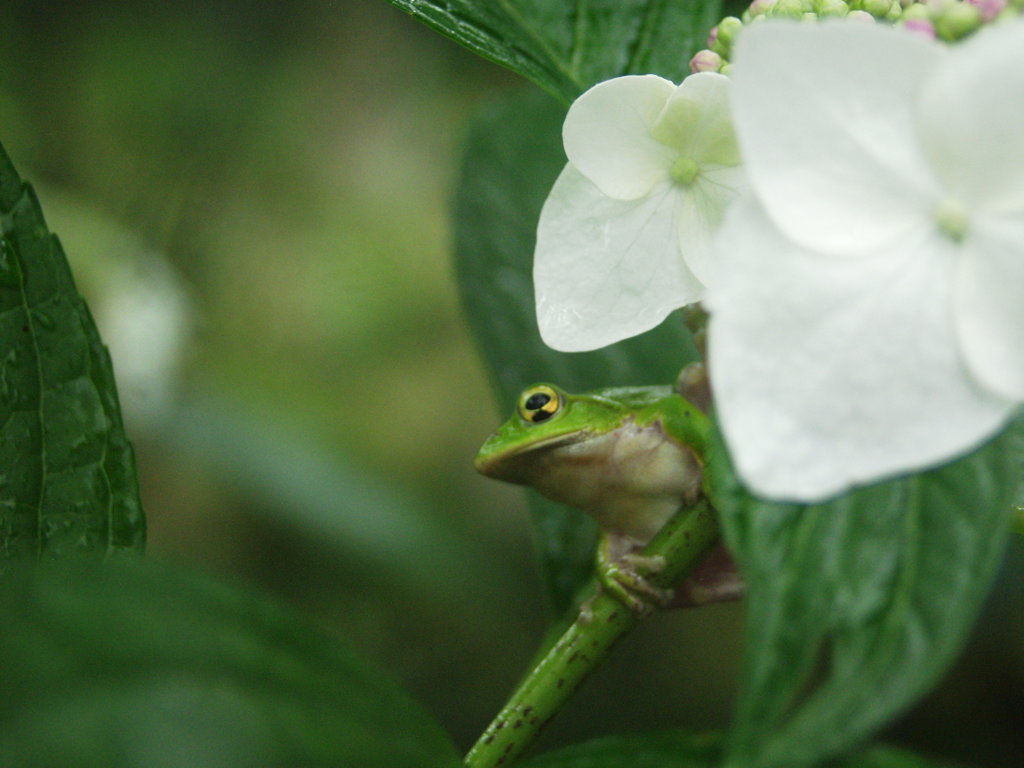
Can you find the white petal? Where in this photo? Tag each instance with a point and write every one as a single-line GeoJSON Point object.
{"type": "Point", "coordinates": [607, 135]}
{"type": "Point", "coordinates": [824, 118]}
{"type": "Point", "coordinates": [989, 304]}
{"type": "Point", "coordinates": [606, 269]}
{"type": "Point", "coordinates": [697, 120]}
{"type": "Point", "coordinates": [970, 117]}
{"type": "Point", "coordinates": [829, 374]}
{"type": "Point", "coordinates": [701, 211]}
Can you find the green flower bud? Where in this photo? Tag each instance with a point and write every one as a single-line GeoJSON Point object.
{"type": "Point", "coordinates": [957, 21]}
{"type": "Point", "coordinates": [863, 16]}
{"type": "Point", "coordinates": [939, 7]}
{"type": "Point", "coordinates": [728, 28]}
{"type": "Point", "coordinates": [877, 8]}
{"type": "Point", "coordinates": [789, 9]}
{"type": "Point", "coordinates": [758, 8]}
{"type": "Point", "coordinates": [916, 12]}
{"type": "Point", "coordinates": [832, 9]}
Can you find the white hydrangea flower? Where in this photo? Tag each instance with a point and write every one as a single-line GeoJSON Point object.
{"type": "Point", "coordinates": [868, 297]}
{"type": "Point", "coordinates": [625, 234]}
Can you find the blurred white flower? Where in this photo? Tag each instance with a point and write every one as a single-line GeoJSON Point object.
{"type": "Point", "coordinates": [868, 295]}
{"type": "Point", "coordinates": [145, 317]}
{"type": "Point", "coordinates": [625, 234]}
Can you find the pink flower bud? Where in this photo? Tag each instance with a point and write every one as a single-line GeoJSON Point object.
{"type": "Point", "coordinates": [921, 27]}
{"type": "Point", "coordinates": [861, 16]}
{"type": "Point", "coordinates": [705, 61]}
{"type": "Point", "coordinates": [989, 9]}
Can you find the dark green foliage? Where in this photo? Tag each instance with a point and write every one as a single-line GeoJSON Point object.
{"type": "Point", "coordinates": [857, 606]}
{"type": "Point", "coordinates": [680, 749]}
{"type": "Point", "coordinates": [67, 474]}
{"type": "Point", "coordinates": [665, 749]}
{"type": "Point", "coordinates": [565, 47]}
{"type": "Point", "coordinates": [133, 666]}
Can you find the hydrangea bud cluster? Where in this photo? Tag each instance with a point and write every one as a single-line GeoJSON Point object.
{"type": "Point", "coordinates": [947, 20]}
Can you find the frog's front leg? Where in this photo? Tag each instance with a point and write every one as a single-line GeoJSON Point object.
{"type": "Point", "coordinates": [624, 573]}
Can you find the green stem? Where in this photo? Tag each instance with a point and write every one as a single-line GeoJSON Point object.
{"type": "Point", "coordinates": [682, 542]}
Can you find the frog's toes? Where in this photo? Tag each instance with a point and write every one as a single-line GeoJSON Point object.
{"type": "Point", "coordinates": [649, 564]}
{"type": "Point", "coordinates": [586, 614]}
{"type": "Point", "coordinates": [624, 580]}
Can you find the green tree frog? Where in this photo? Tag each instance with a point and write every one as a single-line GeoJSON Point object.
{"type": "Point", "coordinates": [629, 456]}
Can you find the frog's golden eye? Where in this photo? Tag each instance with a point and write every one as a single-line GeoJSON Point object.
{"type": "Point", "coordinates": [539, 403]}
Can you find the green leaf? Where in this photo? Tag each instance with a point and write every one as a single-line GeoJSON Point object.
{"type": "Point", "coordinates": [662, 749]}
{"type": "Point", "coordinates": [136, 666]}
{"type": "Point", "coordinates": [681, 749]}
{"type": "Point", "coordinates": [857, 606]}
{"type": "Point", "coordinates": [513, 154]}
{"type": "Point", "coordinates": [68, 482]}
{"type": "Point", "coordinates": [887, 757]}
{"type": "Point", "coordinates": [566, 46]}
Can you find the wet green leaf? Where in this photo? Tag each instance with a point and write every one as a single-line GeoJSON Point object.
{"type": "Point", "coordinates": [857, 606]}
{"type": "Point", "coordinates": [565, 47]}
{"type": "Point", "coordinates": [68, 482]}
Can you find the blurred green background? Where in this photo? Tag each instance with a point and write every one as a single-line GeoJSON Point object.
{"type": "Point", "coordinates": [254, 198]}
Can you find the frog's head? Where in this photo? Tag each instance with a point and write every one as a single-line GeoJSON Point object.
{"type": "Point", "coordinates": [546, 418]}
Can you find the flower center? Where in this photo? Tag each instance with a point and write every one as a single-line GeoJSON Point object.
{"type": "Point", "coordinates": [952, 217]}
{"type": "Point", "coordinates": [684, 170]}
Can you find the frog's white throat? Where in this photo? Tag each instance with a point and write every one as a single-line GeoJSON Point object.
{"type": "Point", "coordinates": [631, 479]}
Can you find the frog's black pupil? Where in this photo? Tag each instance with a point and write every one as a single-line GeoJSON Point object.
{"type": "Point", "coordinates": [536, 401]}
{"type": "Point", "coordinates": [538, 416]}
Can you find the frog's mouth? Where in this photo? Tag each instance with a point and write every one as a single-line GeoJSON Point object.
{"type": "Point", "coordinates": [516, 466]}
